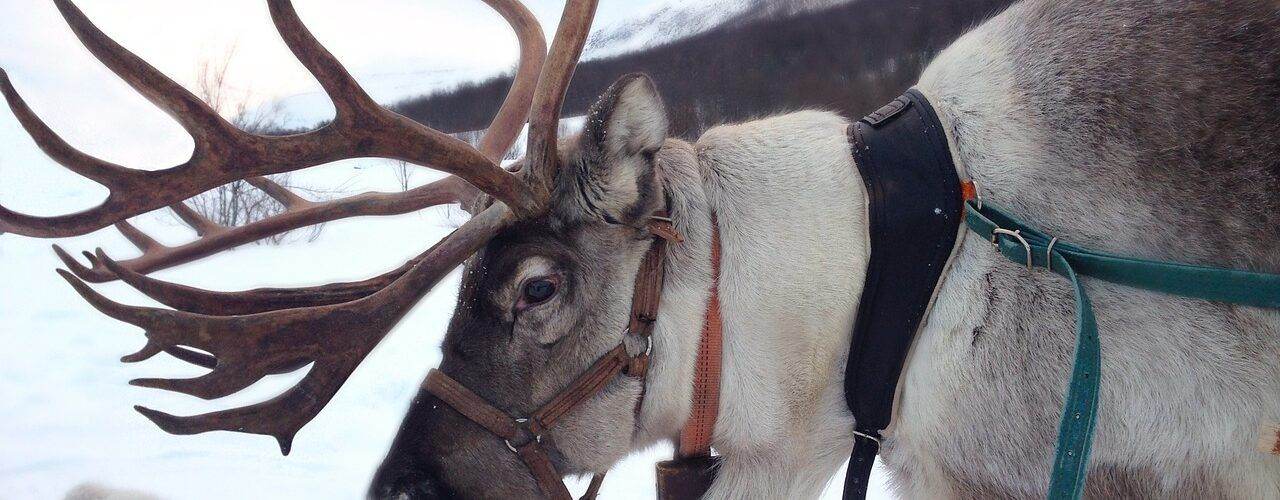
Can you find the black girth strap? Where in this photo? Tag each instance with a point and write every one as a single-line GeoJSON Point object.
{"type": "Point", "coordinates": [915, 203]}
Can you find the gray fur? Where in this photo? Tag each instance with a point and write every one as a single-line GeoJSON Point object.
{"type": "Point", "coordinates": [1136, 127]}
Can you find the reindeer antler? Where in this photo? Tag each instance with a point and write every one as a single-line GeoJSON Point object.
{"type": "Point", "coordinates": [218, 144]}
{"type": "Point", "coordinates": [249, 335]}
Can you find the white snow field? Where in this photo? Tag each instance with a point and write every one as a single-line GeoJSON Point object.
{"type": "Point", "coordinates": [66, 416]}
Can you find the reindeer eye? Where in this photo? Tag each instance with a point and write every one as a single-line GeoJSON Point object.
{"type": "Point", "coordinates": [539, 290]}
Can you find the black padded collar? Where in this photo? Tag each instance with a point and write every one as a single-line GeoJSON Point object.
{"type": "Point", "coordinates": [914, 206]}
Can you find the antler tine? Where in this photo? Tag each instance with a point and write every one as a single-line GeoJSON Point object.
{"type": "Point", "coordinates": [544, 120]}
{"type": "Point", "coordinates": [128, 314]}
{"type": "Point", "coordinates": [195, 300]}
{"type": "Point", "coordinates": [75, 267]}
{"type": "Point", "coordinates": [335, 338]}
{"type": "Point", "coordinates": [138, 238]}
{"type": "Point", "coordinates": [280, 417]}
{"type": "Point", "coordinates": [278, 192]}
{"type": "Point", "coordinates": [201, 224]}
{"type": "Point", "coordinates": [349, 99]}
{"type": "Point", "coordinates": [193, 114]}
{"type": "Point", "coordinates": [102, 172]}
{"type": "Point", "coordinates": [153, 348]}
{"type": "Point", "coordinates": [215, 238]}
{"type": "Point", "coordinates": [513, 114]}
{"type": "Point", "coordinates": [223, 381]}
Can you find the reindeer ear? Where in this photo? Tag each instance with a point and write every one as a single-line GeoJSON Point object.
{"type": "Point", "coordinates": [613, 176]}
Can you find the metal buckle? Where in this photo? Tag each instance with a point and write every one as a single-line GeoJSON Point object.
{"type": "Point", "coordinates": [536, 437]}
{"type": "Point", "coordinates": [1016, 234]}
{"type": "Point", "coordinates": [1048, 255]}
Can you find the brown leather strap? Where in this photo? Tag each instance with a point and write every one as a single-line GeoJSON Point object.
{"type": "Point", "coordinates": [475, 408]}
{"type": "Point", "coordinates": [548, 479]}
{"type": "Point", "coordinates": [581, 389]}
{"type": "Point", "coordinates": [471, 405]}
{"type": "Point", "coordinates": [647, 294]}
{"type": "Point", "coordinates": [695, 438]}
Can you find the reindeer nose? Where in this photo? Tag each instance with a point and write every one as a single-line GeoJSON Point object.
{"type": "Point", "coordinates": [407, 480]}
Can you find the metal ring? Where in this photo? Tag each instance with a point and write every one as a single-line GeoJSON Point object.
{"type": "Point", "coordinates": [648, 341]}
{"type": "Point", "coordinates": [536, 437]}
{"type": "Point", "coordinates": [513, 449]}
{"type": "Point", "coordinates": [1016, 234]}
{"type": "Point", "coordinates": [1048, 255]}
{"type": "Point", "coordinates": [868, 436]}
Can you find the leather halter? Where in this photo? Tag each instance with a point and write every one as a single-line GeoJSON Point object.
{"type": "Point", "coordinates": [523, 436]}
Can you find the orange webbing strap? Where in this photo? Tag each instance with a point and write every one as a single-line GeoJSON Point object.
{"type": "Point", "coordinates": [695, 438]}
{"type": "Point", "coordinates": [969, 190]}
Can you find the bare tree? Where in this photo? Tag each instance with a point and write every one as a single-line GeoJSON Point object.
{"type": "Point", "coordinates": [403, 171]}
{"type": "Point", "coordinates": [239, 203]}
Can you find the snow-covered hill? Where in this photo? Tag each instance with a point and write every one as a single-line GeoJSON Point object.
{"type": "Point", "coordinates": [654, 24]}
{"type": "Point", "coordinates": [676, 20]}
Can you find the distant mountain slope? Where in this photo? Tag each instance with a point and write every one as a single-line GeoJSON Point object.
{"type": "Point", "coordinates": [668, 23]}
{"type": "Point", "coordinates": [680, 20]}
{"type": "Point", "coordinates": [767, 58]}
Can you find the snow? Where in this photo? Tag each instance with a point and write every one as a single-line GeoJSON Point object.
{"type": "Point", "coordinates": [665, 21]}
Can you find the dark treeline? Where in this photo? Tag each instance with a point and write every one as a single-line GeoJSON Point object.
{"type": "Point", "coordinates": [850, 58]}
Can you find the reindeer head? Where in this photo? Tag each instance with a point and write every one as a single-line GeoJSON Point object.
{"type": "Point", "coordinates": [551, 252]}
{"type": "Point", "coordinates": [540, 304]}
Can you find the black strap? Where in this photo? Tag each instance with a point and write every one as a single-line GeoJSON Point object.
{"type": "Point", "coordinates": [915, 203]}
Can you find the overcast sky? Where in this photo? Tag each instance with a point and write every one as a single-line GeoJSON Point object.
{"type": "Point", "coordinates": [406, 40]}
{"type": "Point", "coordinates": [369, 36]}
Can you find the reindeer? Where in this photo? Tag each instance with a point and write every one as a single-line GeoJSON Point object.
{"type": "Point", "coordinates": [1136, 127]}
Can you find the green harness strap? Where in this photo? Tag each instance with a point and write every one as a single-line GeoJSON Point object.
{"type": "Point", "coordinates": [1024, 244]}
